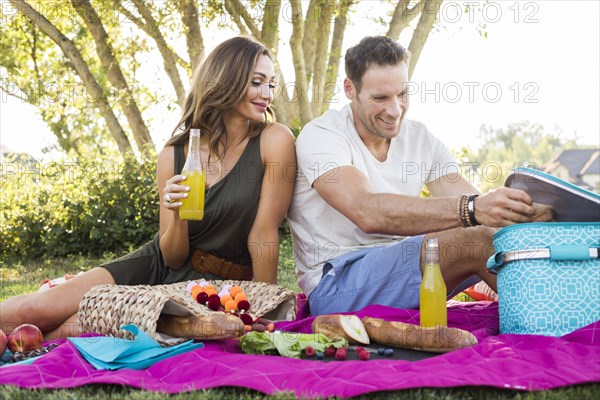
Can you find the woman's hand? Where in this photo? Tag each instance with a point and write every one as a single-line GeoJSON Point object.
{"type": "Point", "coordinates": [174, 191]}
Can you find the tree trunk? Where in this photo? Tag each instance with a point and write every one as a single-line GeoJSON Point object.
{"type": "Point", "coordinates": [169, 57]}
{"type": "Point", "coordinates": [402, 17]}
{"type": "Point", "coordinates": [301, 87]}
{"type": "Point", "coordinates": [326, 13]}
{"type": "Point", "coordinates": [193, 35]}
{"type": "Point", "coordinates": [81, 67]}
{"type": "Point", "coordinates": [309, 37]}
{"type": "Point", "coordinates": [115, 75]}
{"type": "Point", "coordinates": [282, 105]}
{"type": "Point", "coordinates": [335, 54]}
{"type": "Point", "coordinates": [270, 27]}
{"type": "Point", "coordinates": [429, 13]}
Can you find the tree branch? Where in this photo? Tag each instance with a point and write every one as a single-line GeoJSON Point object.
{"type": "Point", "coordinates": [115, 75]}
{"type": "Point", "coordinates": [16, 96]}
{"type": "Point", "coordinates": [429, 13]}
{"type": "Point", "coordinates": [236, 18]}
{"type": "Point", "coordinates": [70, 51]}
{"type": "Point", "coordinates": [193, 35]}
{"type": "Point", "coordinates": [399, 19]}
{"type": "Point", "coordinates": [169, 57]}
{"type": "Point", "coordinates": [144, 27]}
{"type": "Point", "coordinates": [237, 9]}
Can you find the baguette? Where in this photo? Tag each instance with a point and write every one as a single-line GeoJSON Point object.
{"type": "Point", "coordinates": [337, 326]}
{"type": "Point", "coordinates": [203, 327]}
{"type": "Point", "coordinates": [409, 336]}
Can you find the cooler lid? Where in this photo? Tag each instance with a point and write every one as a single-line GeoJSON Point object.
{"type": "Point", "coordinates": [570, 202]}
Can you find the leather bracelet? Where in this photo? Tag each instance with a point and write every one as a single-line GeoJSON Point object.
{"type": "Point", "coordinates": [471, 209]}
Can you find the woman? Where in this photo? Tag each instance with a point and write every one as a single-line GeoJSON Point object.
{"type": "Point", "coordinates": [250, 167]}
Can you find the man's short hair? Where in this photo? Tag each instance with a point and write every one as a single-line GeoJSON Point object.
{"type": "Point", "coordinates": [373, 50]}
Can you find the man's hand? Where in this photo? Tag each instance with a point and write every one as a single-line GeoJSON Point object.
{"type": "Point", "coordinates": [505, 206]}
{"type": "Point", "coordinates": [543, 213]}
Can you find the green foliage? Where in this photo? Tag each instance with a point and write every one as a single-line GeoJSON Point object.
{"type": "Point", "coordinates": [85, 207]}
{"type": "Point", "coordinates": [509, 147]}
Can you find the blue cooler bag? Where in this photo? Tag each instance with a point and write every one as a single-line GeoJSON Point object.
{"type": "Point", "coordinates": [548, 277]}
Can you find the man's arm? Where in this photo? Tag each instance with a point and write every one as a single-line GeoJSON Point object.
{"type": "Point", "coordinates": [349, 191]}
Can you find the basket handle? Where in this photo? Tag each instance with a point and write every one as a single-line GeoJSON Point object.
{"type": "Point", "coordinates": [552, 252]}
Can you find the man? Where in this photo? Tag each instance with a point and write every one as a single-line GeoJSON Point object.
{"type": "Point", "coordinates": [357, 221]}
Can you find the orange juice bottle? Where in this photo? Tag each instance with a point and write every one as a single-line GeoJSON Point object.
{"type": "Point", "coordinates": [433, 289]}
{"type": "Point", "coordinates": [192, 207]}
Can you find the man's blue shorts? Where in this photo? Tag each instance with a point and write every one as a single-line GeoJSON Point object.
{"type": "Point", "coordinates": [386, 275]}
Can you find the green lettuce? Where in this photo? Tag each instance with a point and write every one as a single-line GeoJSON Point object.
{"type": "Point", "coordinates": [287, 344]}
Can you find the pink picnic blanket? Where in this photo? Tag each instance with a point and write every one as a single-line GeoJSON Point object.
{"type": "Point", "coordinates": [524, 362]}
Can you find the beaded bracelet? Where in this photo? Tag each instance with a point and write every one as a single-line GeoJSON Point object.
{"type": "Point", "coordinates": [463, 213]}
{"type": "Point", "coordinates": [459, 201]}
{"type": "Point", "coordinates": [466, 210]}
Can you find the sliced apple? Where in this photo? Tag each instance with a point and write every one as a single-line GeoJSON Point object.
{"type": "Point", "coordinates": [338, 326]}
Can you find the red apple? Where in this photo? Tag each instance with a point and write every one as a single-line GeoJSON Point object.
{"type": "Point", "coordinates": [25, 338]}
{"type": "Point", "coordinates": [2, 342]}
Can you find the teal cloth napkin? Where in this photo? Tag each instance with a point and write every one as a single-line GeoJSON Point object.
{"type": "Point", "coordinates": [111, 353]}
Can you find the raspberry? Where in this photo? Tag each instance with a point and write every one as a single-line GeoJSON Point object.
{"type": "Point", "coordinates": [310, 351]}
{"type": "Point", "coordinates": [330, 351]}
{"type": "Point", "coordinates": [363, 355]}
{"type": "Point", "coordinates": [341, 353]}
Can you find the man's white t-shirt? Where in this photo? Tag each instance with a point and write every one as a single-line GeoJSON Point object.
{"type": "Point", "coordinates": [321, 233]}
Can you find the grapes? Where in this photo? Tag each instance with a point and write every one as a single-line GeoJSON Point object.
{"type": "Point", "coordinates": [9, 358]}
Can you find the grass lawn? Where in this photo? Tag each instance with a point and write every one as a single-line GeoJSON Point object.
{"type": "Point", "coordinates": [24, 276]}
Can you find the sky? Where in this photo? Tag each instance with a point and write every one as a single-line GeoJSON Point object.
{"type": "Point", "coordinates": [539, 63]}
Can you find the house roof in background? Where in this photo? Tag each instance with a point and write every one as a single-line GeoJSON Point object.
{"type": "Point", "coordinates": [592, 166]}
{"type": "Point", "coordinates": [573, 160]}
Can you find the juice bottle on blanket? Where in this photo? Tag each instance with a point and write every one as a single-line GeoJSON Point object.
{"type": "Point", "coordinates": [192, 207]}
{"type": "Point", "coordinates": [433, 289]}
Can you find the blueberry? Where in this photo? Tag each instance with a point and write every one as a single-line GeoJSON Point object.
{"type": "Point", "coordinates": [388, 352]}
{"type": "Point", "coordinates": [380, 351]}
{"type": "Point", "coordinates": [7, 358]}
{"type": "Point", "coordinates": [320, 355]}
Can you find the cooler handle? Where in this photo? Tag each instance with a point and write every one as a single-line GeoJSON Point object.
{"type": "Point", "coordinates": [553, 252]}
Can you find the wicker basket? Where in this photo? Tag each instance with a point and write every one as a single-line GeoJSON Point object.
{"type": "Point", "coordinates": [105, 308]}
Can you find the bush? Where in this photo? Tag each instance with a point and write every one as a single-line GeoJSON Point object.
{"type": "Point", "coordinates": [89, 207]}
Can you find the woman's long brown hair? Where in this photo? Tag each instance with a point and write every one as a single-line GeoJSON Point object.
{"type": "Point", "coordinates": [218, 85]}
